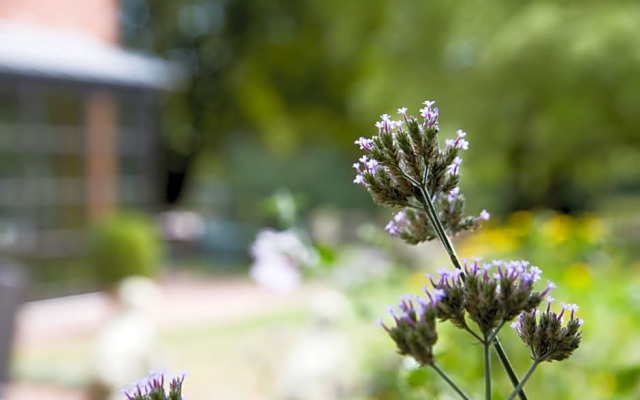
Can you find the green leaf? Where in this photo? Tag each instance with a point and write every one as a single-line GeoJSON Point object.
{"type": "Point", "coordinates": [327, 254]}
{"type": "Point", "coordinates": [417, 378]}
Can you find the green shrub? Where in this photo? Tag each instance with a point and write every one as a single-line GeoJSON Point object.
{"type": "Point", "coordinates": [123, 245]}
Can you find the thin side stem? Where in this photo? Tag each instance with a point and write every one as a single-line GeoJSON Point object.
{"type": "Point", "coordinates": [494, 334]}
{"type": "Point", "coordinates": [518, 389]}
{"type": "Point", "coordinates": [472, 333]}
{"type": "Point", "coordinates": [450, 382]}
{"type": "Point", "coordinates": [487, 370]}
{"type": "Point", "coordinates": [410, 178]}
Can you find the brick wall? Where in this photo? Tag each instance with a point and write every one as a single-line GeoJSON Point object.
{"type": "Point", "coordinates": [97, 18]}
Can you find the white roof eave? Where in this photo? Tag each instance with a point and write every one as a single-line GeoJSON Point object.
{"type": "Point", "coordinates": [71, 55]}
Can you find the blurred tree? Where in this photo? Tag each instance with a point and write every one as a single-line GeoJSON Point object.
{"type": "Point", "coordinates": [562, 81]}
{"type": "Point", "coordinates": [270, 68]}
{"type": "Point", "coordinates": [547, 90]}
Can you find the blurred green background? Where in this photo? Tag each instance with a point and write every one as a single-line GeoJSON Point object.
{"type": "Point", "coordinates": [276, 92]}
{"type": "Point", "coordinates": [549, 93]}
{"type": "Point", "coordinates": [279, 90]}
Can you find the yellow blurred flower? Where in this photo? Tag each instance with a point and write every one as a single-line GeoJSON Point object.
{"type": "Point", "coordinates": [522, 222]}
{"type": "Point", "coordinates": [558, 228]}
{"type": "Point", "coordinates": [592, 229]}
{"type": "Point", "coordinates": [416, 282]}
{"type": "Point", "coordinates": [473, 248]}
{"type": "Point", "coordinates": [578, 276]}
{"type": "Point", "coordinates": [605, 384]}
{"type": "Point", "coordinates": [498, 240]}
{"type": "Point", "coordinates": [502, 239]}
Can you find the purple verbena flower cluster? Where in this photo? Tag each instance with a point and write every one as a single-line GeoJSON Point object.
{"type": "Point", "coordinates": [403, 165]}
{"type": "Point", "coordinates": [415, 328]}
{"type": "Point", "coordinates": [545, 334]}
{"type": "Point", "coordinates": [152, 388]}
{"type": "Point", "coordinates": [489, 294]}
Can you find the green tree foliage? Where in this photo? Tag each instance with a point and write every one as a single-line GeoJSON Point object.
{"type": "Point", "coordinates": [547, 90]}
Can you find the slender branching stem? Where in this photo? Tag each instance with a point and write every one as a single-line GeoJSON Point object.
{"type": "Point", "coordinates": [432, 214]}
{"type": "Point", "coordinates": [506, 364]}
{"type": "Point", "coordinates": [409, 205]}
{"type": "Point", "coordinates": [408, 177]}
{"type": "Point", "coordinates": [425, 173]}
{"type": "Point", "coordinates": [475, 335]}
{"type": "Point", "coordinates": [494, 334]}
{"type": "Point", "coordinates": [518, 389]}
{"type": "Point", "coordinates": [437, 225]}
{"type": "Point", "coordinates": [449, 381]}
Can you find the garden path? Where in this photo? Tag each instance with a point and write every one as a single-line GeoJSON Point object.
{"type": "Point", "coordinates": [184, 301]}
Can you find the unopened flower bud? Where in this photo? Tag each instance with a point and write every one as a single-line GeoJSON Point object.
{"type": "Point", "coordinates": [415, 329]}
{"type": "Point", "coordinates": [545, 335]}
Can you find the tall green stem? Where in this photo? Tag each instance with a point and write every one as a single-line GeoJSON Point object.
{"type": "Point", "coordinates": [450, 382]}
{"type": "Point", "coordinates": [525, 378]}
{"type": "Point", "coordinates": [506, 364]}
{"type": "Point", "coordinates": [437, 225]}
{"type": "Point", "coordinates": [487, 369]}
{"type": "Point", "coordinates": [432, 214]}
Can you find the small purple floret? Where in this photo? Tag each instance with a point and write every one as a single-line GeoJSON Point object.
{"type": "Point", "coordinates": [484, 215]}
{"type": "Point", "coordinates": [364, 143]}
{"type": "Point", "coordinates": [454, 168]}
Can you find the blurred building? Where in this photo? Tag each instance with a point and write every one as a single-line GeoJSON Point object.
{"type": "Point", "coordinates": [78, 124]}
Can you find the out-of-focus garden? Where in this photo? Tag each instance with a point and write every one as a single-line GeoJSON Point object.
{"type": "Point", "coordinates": [260, 135]}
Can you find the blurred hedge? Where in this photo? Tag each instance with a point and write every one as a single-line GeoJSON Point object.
{"type": "Point", "coordinates": [124, 245]}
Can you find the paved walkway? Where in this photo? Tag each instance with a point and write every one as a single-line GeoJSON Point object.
{"type": "Point", "coordinates": [183, 301]}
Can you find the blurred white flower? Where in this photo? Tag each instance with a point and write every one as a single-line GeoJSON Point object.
{"type": "Point", "coordinates": [181, 225]}
{"type": "Point", "coordinates": [126, 347]}
{"type": "Point", "coordinates": [278, 258]}
{"type": "Point", "coordinates": [275, 271]}
{"type": "Point", "coordinates": [320, 363]}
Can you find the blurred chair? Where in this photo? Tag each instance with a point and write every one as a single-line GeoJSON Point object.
{"type": "Point", "coordinates": [13, 281]}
